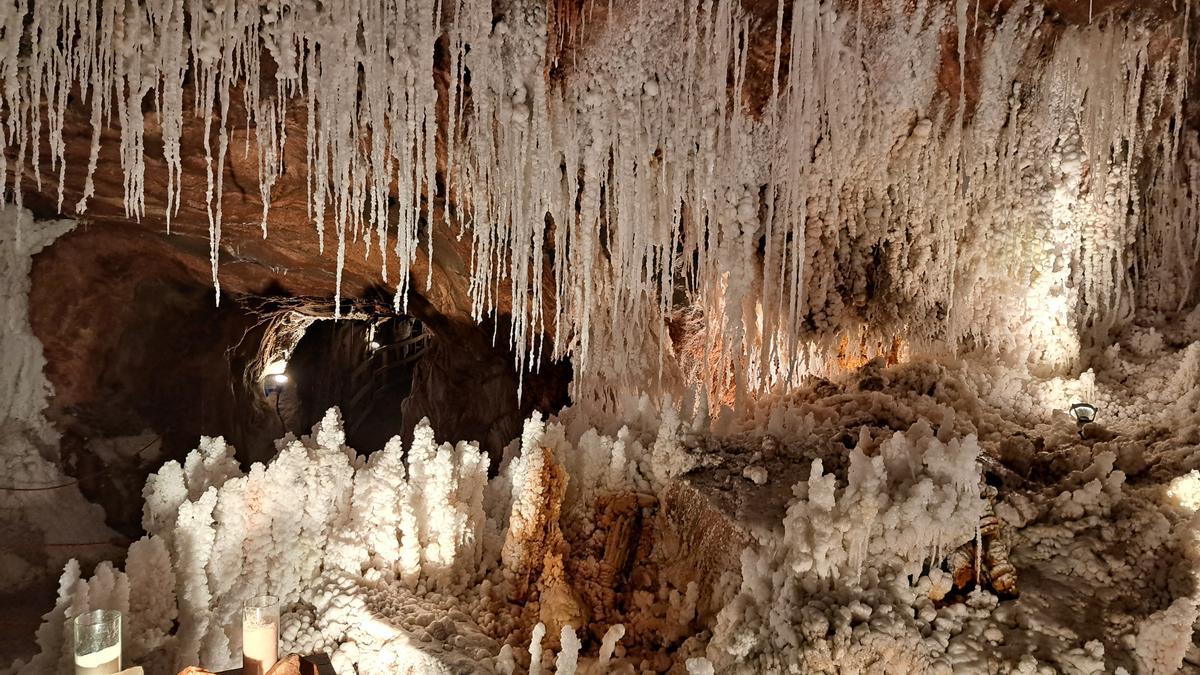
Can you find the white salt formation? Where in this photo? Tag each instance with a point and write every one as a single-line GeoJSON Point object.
{"type": "Point", "coordinates": [823, 343]}
{"type": "Point", "coordinates": [1059, 194]}
{"type": "Point", "coordinates": [838, 563]}
{"type": "Point", "coordinates": [45, 517]}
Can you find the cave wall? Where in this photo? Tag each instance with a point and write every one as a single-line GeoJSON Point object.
{"type": "Point", "coordinates": [333, 365]}
{"type": "Point", "coordinates": [136, 341]}
{"type": "Point", "coordinates": [139, 354]}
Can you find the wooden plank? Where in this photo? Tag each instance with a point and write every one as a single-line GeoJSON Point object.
{"type": "Point", "coordinates": [317, 664]}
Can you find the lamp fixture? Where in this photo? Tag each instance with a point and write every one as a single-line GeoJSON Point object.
{"type": "Point", "coordinates": [274, 377]}
{"type": "Point", "coordinates": [1083, 413]}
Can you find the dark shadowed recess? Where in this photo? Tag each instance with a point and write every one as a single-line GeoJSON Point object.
{"type": "Point", "coordinates": [142, 359]}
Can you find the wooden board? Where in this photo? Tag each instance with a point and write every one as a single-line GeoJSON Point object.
{"type": "Point", "coordinates": [317, 664]}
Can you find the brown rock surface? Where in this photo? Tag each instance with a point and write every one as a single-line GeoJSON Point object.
{"type": "Point", "coordinates": [700, 540]}
{"type": "Point", "coordinates": [288, 665]}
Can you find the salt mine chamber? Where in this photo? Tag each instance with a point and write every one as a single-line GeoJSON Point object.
{"type": "Point", "coordinates": [580, 336]}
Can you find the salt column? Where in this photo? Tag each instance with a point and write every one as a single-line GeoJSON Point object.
{"type": "Point", "coordinates": [260, 634]}
{"type": "Point", "coordinates": [98, 642]}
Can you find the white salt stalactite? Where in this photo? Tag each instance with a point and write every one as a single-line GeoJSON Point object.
{"type": "Point", "coordinates": [860, 199]}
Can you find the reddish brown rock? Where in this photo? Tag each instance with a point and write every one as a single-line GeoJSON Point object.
{"type": "Point", "coordinates": [288, 665]}
{"type": "Point", "coordinates": [700, 540]}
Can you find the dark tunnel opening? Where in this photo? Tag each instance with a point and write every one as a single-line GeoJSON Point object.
{"type": "Point", "coordinates": [364, 367]}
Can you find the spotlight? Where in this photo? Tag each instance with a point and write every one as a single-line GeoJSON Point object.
{"type": "Point", "coordinates": [274, 377]}
{"type": "Point", "coordinates": [1083, 413]}
{"type": "Point", "coordinates": [278, 367]}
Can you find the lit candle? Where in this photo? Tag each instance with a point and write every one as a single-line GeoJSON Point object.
{"type": "Point", "coordinates": [260, 634]}
{"type": "Point", "coordinates": [98, 642]}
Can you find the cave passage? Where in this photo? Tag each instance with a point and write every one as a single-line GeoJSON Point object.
{"type": "Point", "coordinates": [364, 367]}
{"type": "Point", "coordinates": [139, 381]}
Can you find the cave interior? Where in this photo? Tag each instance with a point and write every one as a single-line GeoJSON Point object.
{"type": "Point", "coordinates": [581, 336]}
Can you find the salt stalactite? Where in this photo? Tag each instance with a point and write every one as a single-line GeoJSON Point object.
{"type": "Point", "coordinates": [862, 195]}
{"type": "Point", "coordinates": [1168, 256]}
{"type": "Point", "coordinates": [822, 220]}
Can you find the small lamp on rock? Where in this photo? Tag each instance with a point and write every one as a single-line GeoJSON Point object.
{"type": "Point", "coordinates": [1083, 413]}
{"type": "Point", "coordinates": [274, 384]}
{"type": "Point", "coordinates": [274, 377]}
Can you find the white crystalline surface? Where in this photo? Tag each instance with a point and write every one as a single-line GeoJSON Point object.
{"type": "Point", "coordinates": [402, 567]}
{"type": "Point", "coordinates": [1001, 240]}
{"type": "Point", "coordinates": [1058, 194]}
{"type": "Point", "coordinates": [44, 519]}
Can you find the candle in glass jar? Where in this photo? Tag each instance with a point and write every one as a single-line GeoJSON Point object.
{"type": "Point", "coordinates": [98, 642]}
{"type": "Point", "coordinates": [260, 634]}
{"type": "Point", "coordinates": [104, 662]}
